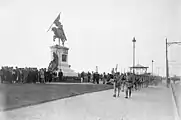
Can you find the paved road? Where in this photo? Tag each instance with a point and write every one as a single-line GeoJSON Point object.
{"type": "Point", "coordinates": [153, 103]}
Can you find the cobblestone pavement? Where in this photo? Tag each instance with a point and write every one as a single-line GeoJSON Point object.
{"type": "Point", "coordinates": [153, 103]}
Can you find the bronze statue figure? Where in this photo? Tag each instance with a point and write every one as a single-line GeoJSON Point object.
{"type": "Point", "coordinates": [59, 32]}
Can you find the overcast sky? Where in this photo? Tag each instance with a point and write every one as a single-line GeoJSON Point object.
{"type": "Point", "coordinates": [99, 32]}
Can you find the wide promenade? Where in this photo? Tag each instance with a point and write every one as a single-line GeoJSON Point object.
{"type": "Point", "coordinates": [152, 103]}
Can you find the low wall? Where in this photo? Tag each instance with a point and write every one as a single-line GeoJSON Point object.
{"type": "Point", "coordinates": [176, 88]}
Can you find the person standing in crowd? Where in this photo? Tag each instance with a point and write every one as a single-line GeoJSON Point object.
{"type": "Point", "coordinates": [39, 75]}
{"type": "Point", "coordinates": [97, 77]}
{"type": "Point", "coordinates": [4, 74]}
{"type": "Point", "coordinates": [14, 75]}
{"type": "Point", "coordinates": [33, 75]}
{"type": "Point", "coordinates": [104, 78]}
{"type": "Point", "coordinates": [29, 78]}
{"type": "Point", "coordinates": [49, 76]}
{"type": "Point", "coordinates": [1, 75]}
{"type": "Point", "coordinates": [45, 74]}
{"type": "Point", "coordinates": [94, 78]}
{"type": "Point", "coordinates": [54, 75]}
{"type": "Point", "coordinates": [136, 83]}
{"type": "Point", "coordinates": [21, 75]}
{"type": "Point", "coordinates": [36, 74]}
{"type": "Point", "coordinates": [25, 75]}
{"type": "Point", "coordinates": [18, 74]}
{"type": "Point", "coordinates": [42, 75]}
{"type": "Point", "coordinates": [60, 75]}
{"type": "Point", "coordinates": [9, 75]}
{"type": "Point", "coordinates": [100, 77]}
{"type": "Point", "coordinates": [82, 77]}
{"type": "Point", "coordinates": [89, 76]}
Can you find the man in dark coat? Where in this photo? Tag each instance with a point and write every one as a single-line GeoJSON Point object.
{"type": "Point", "coordinates": [50, 74]}
{"type": "Point", "coordinates": [9, 75]}
{"type": "Point", "coordinates": [97, 77]}
{"type": "Point", "coordinates": [18, 74]}
{"type": "Point", "coordinates": [89, 76]}
{"type": "Point", "coordinates": [1, 75]}
{"type": "Point", "coordinates": [82, 76]}
{"type": "Point", "coordinates": [14, 75]}
{"type": "Point", "coordinates": [60, 75]}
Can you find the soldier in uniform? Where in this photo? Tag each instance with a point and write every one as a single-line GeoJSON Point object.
{"type": "Point", "coordinates": [129, 80]}
{"type": "Point", "coordinates": [117, 84]}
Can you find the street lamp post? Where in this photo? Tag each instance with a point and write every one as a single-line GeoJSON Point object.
{"type": "Point", "coordinates": [167, 68]}
{"type": "Point", "coordinates": [134, 41]}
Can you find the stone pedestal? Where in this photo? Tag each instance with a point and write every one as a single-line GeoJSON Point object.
{"type": "Point", "coordinates": [62, 53]}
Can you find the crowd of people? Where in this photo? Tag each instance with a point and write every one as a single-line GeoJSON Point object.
{"type": "Point", "coordinates": [27, 75]}
{"type": "Point", "coordinates": [121, 81]}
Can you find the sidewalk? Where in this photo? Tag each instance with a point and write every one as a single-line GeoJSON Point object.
{"type": "Point", "coordinates": [177, 96]}
{"type": "Point", "coordinates": [153, 103]}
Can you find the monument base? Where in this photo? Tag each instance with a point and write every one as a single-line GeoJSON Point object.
{"type": "Point", "coordinates": [68, 72]}
{"type": "Point", "coordinates": [62, 53]}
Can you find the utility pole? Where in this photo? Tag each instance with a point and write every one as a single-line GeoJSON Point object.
{"type": "Point", "coordinates": [152, 67]}
{"type": "Point", "coordinates": [167, 64]}
{"type": "Point", "coordinates": [167, 68]}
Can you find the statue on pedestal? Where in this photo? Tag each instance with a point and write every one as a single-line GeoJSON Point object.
{"type": "Point", "coordinates": [60, 52]}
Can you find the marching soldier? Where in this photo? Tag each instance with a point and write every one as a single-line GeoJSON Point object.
{"type": "Point", "coordinates": [117, 84]}
{"type": "Point", "coordinates": [129, 80]}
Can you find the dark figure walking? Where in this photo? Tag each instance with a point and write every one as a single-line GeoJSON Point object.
{"type": "Point", "coordinates": [129, 84]}
{"type": "Point", "coordinates": [128, 89]}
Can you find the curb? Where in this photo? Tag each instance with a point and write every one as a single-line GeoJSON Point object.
{"type": "Point", "coordinates": [59, 98]}
{"type": "Point", "coordinates": [176, 114]}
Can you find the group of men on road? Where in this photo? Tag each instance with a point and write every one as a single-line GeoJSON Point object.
{"type": "Point", "coordinates": [128, 82]}
{"type": "Point", "coordinates": [122, 82]}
